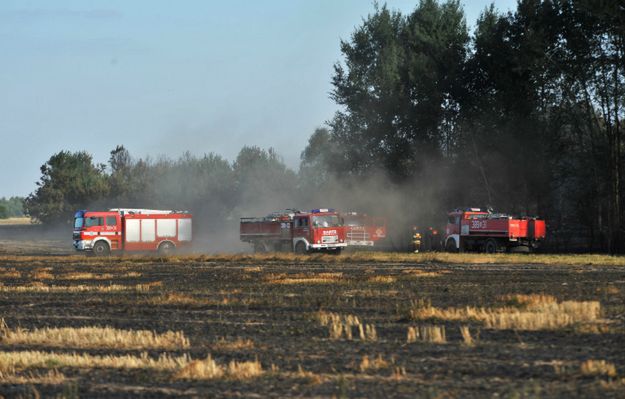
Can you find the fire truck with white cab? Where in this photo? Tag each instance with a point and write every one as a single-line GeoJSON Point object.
{"type": "Point", "coordinates": [477, 229]}
{"type": "Point", "coordinates": [100, 232]}
{"type": "Point", "coordinates": [293, 230]}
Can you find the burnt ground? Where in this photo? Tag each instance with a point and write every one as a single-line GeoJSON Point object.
{"type": "Point", "coordinates": [273, 303]}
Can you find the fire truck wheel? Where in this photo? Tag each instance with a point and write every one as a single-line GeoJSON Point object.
{"type": "Point", "coordinates": [166, 248]}
{"type": "Point", "coordinates": [451, 246]}
{"type": "Point", "coordinates": [101, 248]}
{"type": "Point", "coordinates": [300, 248]}
{"type": "Point", "coordinates": [491, 246]}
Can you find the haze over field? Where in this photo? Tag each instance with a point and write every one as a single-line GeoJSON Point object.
{"type": "Point", "coordinates": [161, 78]}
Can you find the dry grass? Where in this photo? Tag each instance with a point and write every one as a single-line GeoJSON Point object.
{"type": "Point", "coordinates": [42, 288]}
{"type": "Point", "coordinates": [51, 377]}
{"type": "Point", "coordinates": [425, 257]}
{"type": "Point", "coordinates": [10, 273]}
{"type": "Point", "coordinates": [41, 275]}
{"type": "Point", "coordinates": [423, 273]}
{"type": "Point", "coordinates": [94, 337]}
{"type": "Point", "coordinates": [84, 276]}
{"type": "Point", "coordinates": [537, 313]}
{"type": "Point", "coordinates": [300, 278]}
{"type": "Point", "coordinates": [311, 377]}
{"type": "Point", "coordinates": [342, 326]}
{"type": "Point", "coordinates": [182, 367]}
{"type": "Point", "coordinates": [431, 334]}
{"type": "Point", "coordinates": [11, 361]}
{"type": "Point", "coordinates": [598, 368]}
{"type": "Point", "coordinates": [466, 336]}
{"type": "Point", "coordinates": [373, 364]}
{"type": "Point", "coordinates": [356, 257]}
{"type": "Point", "coordinates": [209, 369]}
{"type": "Point", "coordinates": [382, 279]}
{"type": "Point", "coordinates": [174, 298]}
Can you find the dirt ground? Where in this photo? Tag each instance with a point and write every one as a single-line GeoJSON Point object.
{"type": "Point", "coordinates": [316, 326]}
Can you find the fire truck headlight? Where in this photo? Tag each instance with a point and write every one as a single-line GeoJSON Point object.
{"type": "Point", "coordinates": [318, 241]}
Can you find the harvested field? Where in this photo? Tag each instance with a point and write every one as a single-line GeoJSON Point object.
{"type": "Point", "coordinates": [395, 325]}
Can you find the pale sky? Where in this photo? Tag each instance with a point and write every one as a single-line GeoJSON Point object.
{"type": "Point", "coordinates": [163, 77]}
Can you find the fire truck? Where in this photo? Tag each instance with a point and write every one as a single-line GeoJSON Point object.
{"type": "Point", "coordinates": [477, 229]}
{"type": "Point", "coordinates": [363, 230]}
{"type": "Point", "coordinates": [116, 230]}
{"type": "Point", "coordinates": [293, 230]}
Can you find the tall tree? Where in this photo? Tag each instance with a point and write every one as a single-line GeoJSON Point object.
{"type": "Point", "coordinates": [69, 181]}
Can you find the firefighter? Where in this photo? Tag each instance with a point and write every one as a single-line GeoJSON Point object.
{"type": "Point", "coordinates": [436, 241]}
{"type": "Point", "coordinates": [431, 241]}
{"type": "Point", "coordinates": [416, 239]}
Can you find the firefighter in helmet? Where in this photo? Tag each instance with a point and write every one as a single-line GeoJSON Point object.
{"type": "Point", "coordinates": [416, 239]}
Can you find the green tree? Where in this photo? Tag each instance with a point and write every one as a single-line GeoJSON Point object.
{"type": "Point", "coordinates": [13, 206]}
{"type": "Point", "coordinates": [262, 181]}
{"type": "Point", "coordinates": [399, 87]}
{"type": "Point", "coordinates": [69, 181]}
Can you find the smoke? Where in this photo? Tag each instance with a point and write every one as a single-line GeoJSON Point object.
{"type": "Point", "coordinates": [219, 192]}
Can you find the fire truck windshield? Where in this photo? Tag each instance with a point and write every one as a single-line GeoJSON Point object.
{"type": "Point", "coordinates": [94, 221]}
{"type": "Point", "coordinates": [326, 221]}
{"type": "Point", "coordinates": [78, 223]}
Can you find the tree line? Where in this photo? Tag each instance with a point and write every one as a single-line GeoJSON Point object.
{"type": "Point", "coordinates": [522, 113]}
{"type": "Point", "coordinates": [11, 207]}
{"type": "Point", "coordinates": [212, 187]}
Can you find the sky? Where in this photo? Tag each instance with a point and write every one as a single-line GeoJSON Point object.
{"type": "Point", "coordinates": [165, 77]}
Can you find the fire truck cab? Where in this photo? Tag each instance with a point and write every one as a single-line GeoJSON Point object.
{"type": "Point", "coordinates": [477, 229]}
{"type": "Point", "coordinates": [362, 230]}
{"type": "Point", "coordinates": [293, 230]}
{"type": "Point", "coordinates": [101, 232]}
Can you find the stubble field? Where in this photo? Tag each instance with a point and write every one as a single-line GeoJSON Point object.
{"type": "Point", "coordinates": [363, 325]}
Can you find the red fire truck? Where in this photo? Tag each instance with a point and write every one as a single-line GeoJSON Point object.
{"type": "Point", "coordinates": [363, 230]}
{"type": "Point", "coordinates": [100, 233]}
{"type": "Point", "coordinates": [293, 230]}
{"type": "Point", "coordinates": [476, 229]}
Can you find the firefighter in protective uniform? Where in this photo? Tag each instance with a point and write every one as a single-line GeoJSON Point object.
{"type": "Point", "coordinates": [416, 239]}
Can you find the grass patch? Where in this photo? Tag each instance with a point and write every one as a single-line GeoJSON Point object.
{"type": "Point", "coordinates": [537, 313]}
{"type": "Point", "coordinates": [301, 278]}
{"type": "Point", "coordinates": [430, 334]}
{"type": "Point", "coordinates": [343, 326]}
{"type": "Point", "coordinates": [10, 273]}
{"type": "Point", "coordinates": [209, 369]}
{"type": "Point", "coordinates": [598, 368]}
{"type": "Point", "coordinates": [181, 367]}
{"type": "Point", "coordinates": [20, 360]}
{"type": "Point", "coordinates": [374, 363]}
{"type": "Point", "coordinates": [42, 288]}
{"type": "Point", "coordinates": [94, 337]}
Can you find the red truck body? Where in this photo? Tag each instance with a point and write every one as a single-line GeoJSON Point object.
{"type": "Point", "coordinates": [291, 230]}
{"type": "Point", "coordinates": [480, 230]}
{"type": "Point", "coordinates": [101, 232]}
{"type": "Point", "coordinates": [363, 230]}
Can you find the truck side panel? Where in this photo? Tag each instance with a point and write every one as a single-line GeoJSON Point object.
{"type": "Point", "coordinates": [146, 232]}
